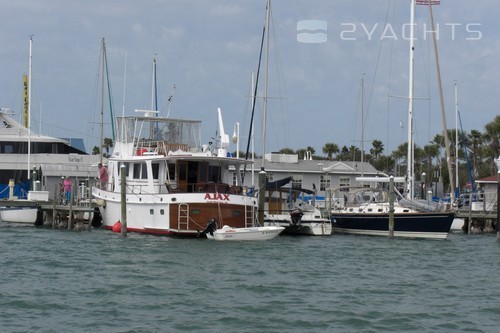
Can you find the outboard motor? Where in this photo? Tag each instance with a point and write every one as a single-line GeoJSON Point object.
{"type": "Point", "coordinates": [296, 216]}
{"type": "Point", "coordinates": [211, 227]}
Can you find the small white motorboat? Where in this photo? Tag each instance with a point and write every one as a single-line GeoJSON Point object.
{"type": "Point", "coordinates": [252, 233]}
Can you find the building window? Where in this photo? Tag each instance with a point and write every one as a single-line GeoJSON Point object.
{"type": "Point", "coordinates": [297, 182]}
{"type": "Point", "coordinates": [270, 177]}
{"type": "Point", "coordinates": [345, 181]}
{"type": "Point", "coordinates": [324, 182]}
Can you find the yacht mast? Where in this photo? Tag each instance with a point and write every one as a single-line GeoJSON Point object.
{"type": "Point", "coordinates": [264, 112]}
{"type": "Point", "coordinates": [410, 172]}
{"type": "Point", "coordinates": [29, 107]}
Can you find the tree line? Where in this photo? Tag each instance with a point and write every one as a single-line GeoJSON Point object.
{"type": "Point", "coordinates": [476, 155]}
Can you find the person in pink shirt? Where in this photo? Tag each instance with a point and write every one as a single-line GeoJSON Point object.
{"type": "Point", "coordinates": [67, 188]}
{"type": "Point", "coordinates": [103, 176]}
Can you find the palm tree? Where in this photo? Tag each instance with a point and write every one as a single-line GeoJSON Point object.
{"type": "Point", "coordinates": [96, 150]}
{"type": "Point", "coordinates": [311, 149]}
{"type": "Point", "coordinates": [286, 151]}
{"type": "Point", "coordinates": [378, 148]}
{"type": "Point", "coordinates": [108, 143]}
{"type": "Point", "coordinates": [476, 139]}
{"type": "Point", "coordinates": [330, 149]}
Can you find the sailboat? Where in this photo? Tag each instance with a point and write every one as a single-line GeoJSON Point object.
{"type": "Point", "coordinates": [367, 210]}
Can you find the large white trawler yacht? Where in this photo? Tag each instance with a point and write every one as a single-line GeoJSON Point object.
{"type": "Point", "coordinates": [174, 185]}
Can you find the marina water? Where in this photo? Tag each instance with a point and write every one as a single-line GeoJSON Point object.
{"type": "Point", "coordinates": [96, 281]}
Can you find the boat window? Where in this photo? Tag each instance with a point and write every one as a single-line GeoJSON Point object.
{"type": "Point", "coordinates": [171, 171]}
{"type": "Point", "coordinates": [156, 170]}
{"type": "Point", "coordinates": [151, 211]}
{"type": "Point", "coordinates": [140, 171]}
{"type": "Point", "coordinates": [214, 174]}
{"type": "Point", "coordinates": [203, 172]}
{"type": "Point", "coordinates": [236, 213]}
{"type": "Point", "coordinates": [162, 212]}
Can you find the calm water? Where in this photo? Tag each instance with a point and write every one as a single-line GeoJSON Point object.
{"type": "Point", "coordinates": [60, 281]}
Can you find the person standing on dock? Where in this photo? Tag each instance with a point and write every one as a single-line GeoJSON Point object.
{"type": "Point", "coordinates": [103, 176]}
{"type": "Point", "coordinates": [67, 188]}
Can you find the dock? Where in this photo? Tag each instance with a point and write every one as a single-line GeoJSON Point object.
{"type": "Point", "coordinates": [56, 215]}
{"type": "Point", "coordinates": [478, 221]}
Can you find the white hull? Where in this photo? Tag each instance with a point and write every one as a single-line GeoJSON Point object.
{"type": "Point", "coordinates": [152, 213]}
{"type": "Point", "coordinates": [245, 234]}
{"type": "Point", "coordinates": [26, 215]}
{"type": "Point", "coordinates": [398, 234]}
{"type": "Point", "coordinates": [457, 225]}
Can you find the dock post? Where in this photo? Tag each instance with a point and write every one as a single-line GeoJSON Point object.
{"type": "Point", "coordinates": [262, 195]}
{"type": "Point", "coordinates": [123, 199]}
{"type": "Point", "coordinates": [54, 208]}
{"type": "Point", "coordinates": [11, 189]}
{"type": "Point", "coordinates": [498, 200]}
{"type": "Point", "coordinates": [70, 216]}
{"type": "Point", "coordinates": [391, 207]}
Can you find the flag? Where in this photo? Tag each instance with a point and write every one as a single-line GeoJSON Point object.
{"type": "Point", "coordinates": [426, 2]}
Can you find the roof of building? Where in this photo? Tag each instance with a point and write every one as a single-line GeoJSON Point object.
{"type": "Point", "coordinates": [488, 180]}
{"type": "Point", "coordinates": [320, 166]}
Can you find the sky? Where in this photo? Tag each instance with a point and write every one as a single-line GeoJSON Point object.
{"type": "Point", "coordinates": [209, 49]}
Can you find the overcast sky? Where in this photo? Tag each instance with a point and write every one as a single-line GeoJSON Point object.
{"type": "Point", "coordinates": [208, 50]}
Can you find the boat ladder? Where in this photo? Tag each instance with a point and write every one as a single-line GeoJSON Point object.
{"type": "Point", "coordinates": [183, 217]}
{"type": "Point", "coordinates": [249, 216]}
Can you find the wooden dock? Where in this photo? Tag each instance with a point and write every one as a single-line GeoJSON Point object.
{"type": "Point", "coordinates": [53, 214]}
{"type": "Point", "coordinates": [478, 221]}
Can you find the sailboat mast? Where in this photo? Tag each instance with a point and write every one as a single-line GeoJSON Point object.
{"type": "Point", "coordinates": [362, 124]}
{"type": "Point", "coordinates": [410, 172]}
{"type": "Point", "coordinates": [103, 45]}
{"type": "Point", "coordinates": [456, 141]}
{"type": "Point", "coordinates": [441, 100]}
{"type": "Point", "coordinates": [29, 107]}
{"type": "Point", "coordinates": [266, 73]}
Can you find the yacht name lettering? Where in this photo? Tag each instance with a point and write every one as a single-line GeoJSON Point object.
{"type": "Point", "coordinates": [75, 159]}
{"type": "Point", "coordinates": [217, 196]}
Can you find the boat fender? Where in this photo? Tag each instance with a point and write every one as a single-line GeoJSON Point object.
{"type": "Point", "coordinates": [117, 227]}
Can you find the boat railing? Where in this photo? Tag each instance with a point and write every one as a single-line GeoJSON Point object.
{"type": "Point", "coordinates": [157, 147]}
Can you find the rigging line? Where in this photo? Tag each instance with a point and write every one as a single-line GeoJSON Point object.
{"type": "Point", "coordinates": [281, 83]}
{"type": "Point", "coordinates": [379, 52]}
